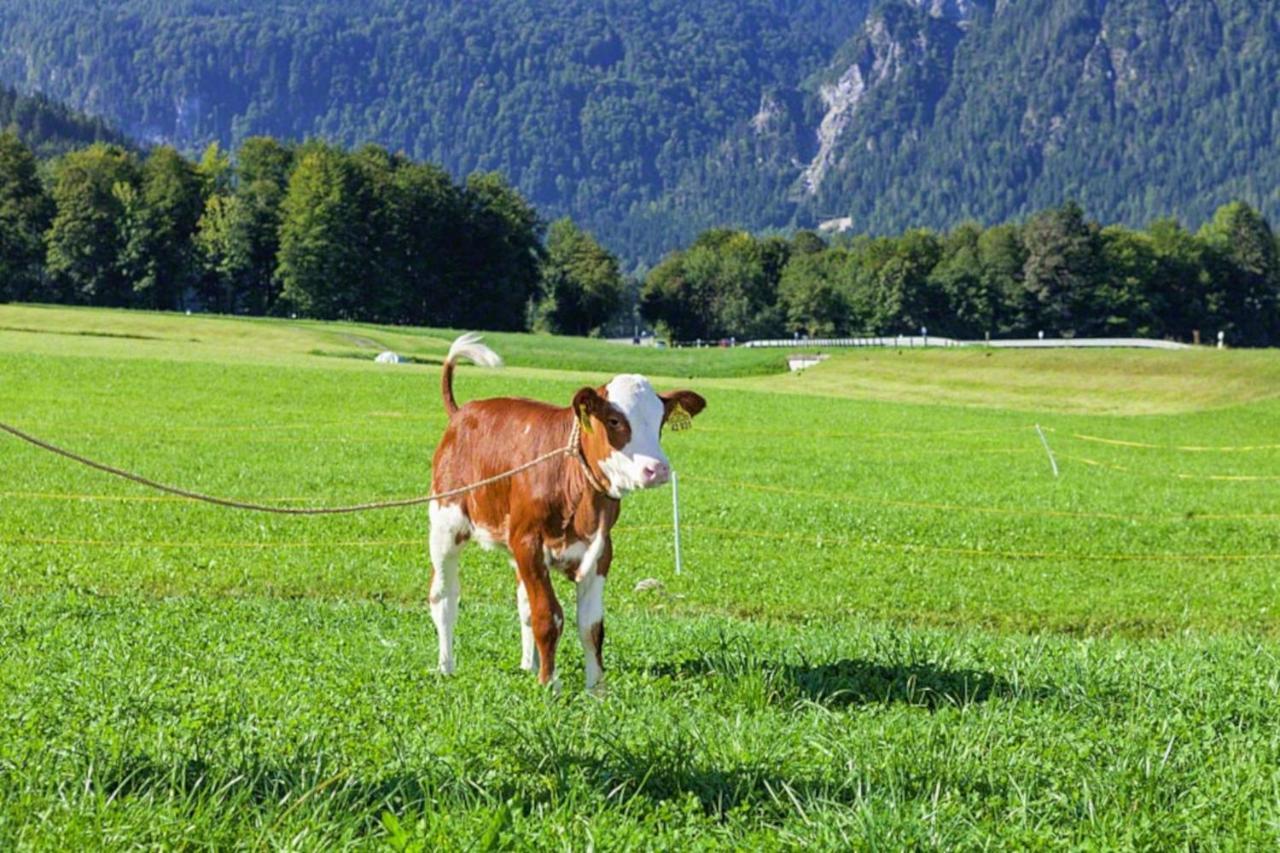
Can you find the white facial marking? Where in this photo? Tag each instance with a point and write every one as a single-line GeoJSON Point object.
{"type": "Point", "coordinates": [641, 464]}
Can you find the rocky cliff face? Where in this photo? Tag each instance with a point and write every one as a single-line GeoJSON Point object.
{"type": "Point", "coordinates": [841, 100]}
{"type": "Point", "coordinates": [897, 41]}
{"type": "Point", "coordinates": [936, 111]}
{"type": "Point", "coordinates": [941, 110]}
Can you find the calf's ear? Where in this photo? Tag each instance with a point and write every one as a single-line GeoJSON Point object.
{"type": "Point", "coordinates": [679, 406]}
{"type": "Point", "coordinates": [588, 403]}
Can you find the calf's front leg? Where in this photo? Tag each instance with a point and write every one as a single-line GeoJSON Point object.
{"type": "Point", "coordinates": [528, 649]}
{"type": "Point", "coordinates": [545, 616]}
{"type": "Point", "coordinates": [591, 575]}
{"type": "Point", "coordinates": [591, 627]}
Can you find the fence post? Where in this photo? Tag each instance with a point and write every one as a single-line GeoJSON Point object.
{"type": "Point", "coordinates": [675, 514]}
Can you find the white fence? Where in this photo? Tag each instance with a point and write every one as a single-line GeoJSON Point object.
{"type": "Point", "coordinates": [1072, 343]}
{"type": "Point", "coordinates": [912, 341]}
{"type": "Point", "coordinates": [876, 341]}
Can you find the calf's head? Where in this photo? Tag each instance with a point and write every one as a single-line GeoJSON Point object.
{"type": "Point", "coordinates": [621, 427]}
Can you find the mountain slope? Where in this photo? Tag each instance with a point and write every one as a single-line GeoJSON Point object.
{"type": "Point", "coordinates": [1135, 109]}
{"type": "Point", "coordinates": [596, 108]}
{"type": "Point", "coordinates": [648, 121]}
{"type": "Point", "coordinates": [50, 128]}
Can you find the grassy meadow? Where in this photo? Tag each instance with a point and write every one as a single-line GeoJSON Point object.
{"type": "Point", "coordinates": [895, 627]}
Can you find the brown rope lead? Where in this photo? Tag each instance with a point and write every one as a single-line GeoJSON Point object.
{"type": "Point", "coordinates": [570, 449]}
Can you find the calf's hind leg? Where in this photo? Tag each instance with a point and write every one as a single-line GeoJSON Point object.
{"type": "Point", "coordinates": [447, 522]}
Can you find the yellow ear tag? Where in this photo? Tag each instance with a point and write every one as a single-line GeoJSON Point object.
{"type": "Point", "coordinates": [584, 419]}
{"type": "Point", "coordinates": [679, 419]}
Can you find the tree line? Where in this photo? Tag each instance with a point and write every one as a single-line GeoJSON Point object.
{"type": "Point", "coordinates": [313, 230]}
{"type": "Point", "coordinates": [1058, 273]}
{"type": "Point", "coordinates": [306, 229]}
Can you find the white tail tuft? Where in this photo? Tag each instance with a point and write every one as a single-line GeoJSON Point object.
{"type": "Point", "coordinates": [468, 346]}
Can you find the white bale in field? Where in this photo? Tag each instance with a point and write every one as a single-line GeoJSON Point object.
{"type": "Point", "coordinates": [388, 357]}
{"type": "Point", "coordinates": [803, 362]}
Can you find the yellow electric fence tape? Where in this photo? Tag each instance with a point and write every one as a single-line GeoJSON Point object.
{"type": "Point", "coordinates": [818, 539]}
{"type": "Point", "coordinates": [106, 543]}
{"type": "Point", "coordinates": [1185, 448]}
{"type": "Point", "coordinates": [824, 539]}
{"type": "Point", "coordinates": [923, 433]}
{"type": "Point", "coordinates": [1238, 478]}
{"type": "Point", "coordinates": [72, 496]}
{"type": "Point", "coordinates": [989, 510]}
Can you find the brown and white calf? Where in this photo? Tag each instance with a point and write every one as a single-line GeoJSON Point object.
{"type": "Point", "coordinates": [555, 516]}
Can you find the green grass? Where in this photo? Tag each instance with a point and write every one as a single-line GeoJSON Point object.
{"type": "Point", "coordinates": [895, 627]}
{"type": "Point", "coordinates": [214, 338]}
{"type": "Point", "coordinates": [1122, 382]}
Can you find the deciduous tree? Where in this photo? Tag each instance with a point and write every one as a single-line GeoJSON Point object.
{"type": "Point", "coordinates": [581, 283]}
{"type": "Point", "coordinates": [91, 189]}
{"type": "Point", "coordinates": [323, 237]}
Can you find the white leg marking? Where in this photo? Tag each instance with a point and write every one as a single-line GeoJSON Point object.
{"type": "Point", "coordinates": [590, 617]}
{"type": "Point", "coordinates": [591, 556]}
{"type": "Point", "coordinates": [446, 523]}
{"type": "Point", "coordinates": [528, 648]}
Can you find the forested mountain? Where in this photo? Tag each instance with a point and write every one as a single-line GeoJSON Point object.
{"type": "Point", "coordinates": [597, 108]}
{"type": "Point", "coordinates": [50, 128]}
{"type": "Point", "coordinates": [1134, 108]}
{"type": "Point", "coordinates": [650, 120]}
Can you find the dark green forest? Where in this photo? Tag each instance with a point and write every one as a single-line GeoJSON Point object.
{"type": "Point", "coordinates": [1058, 272]}
{"type": "Point", "coordinates": [310, 230]}
{"type": "Point", "coordinates": [650, 121]}
{"type": "Point", "coordinates": [51, 128]}
{"type": "Point", "coordinates": [316, 231]}
{"type": "Point", "coordinates": [1137, 109]}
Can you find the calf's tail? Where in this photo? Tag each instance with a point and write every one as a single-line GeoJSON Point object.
{"type": "Point", "coordinates": [467, 346]}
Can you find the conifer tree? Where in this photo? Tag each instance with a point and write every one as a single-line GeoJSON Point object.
{"type": "Point", "coordinates": [25, 211]}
